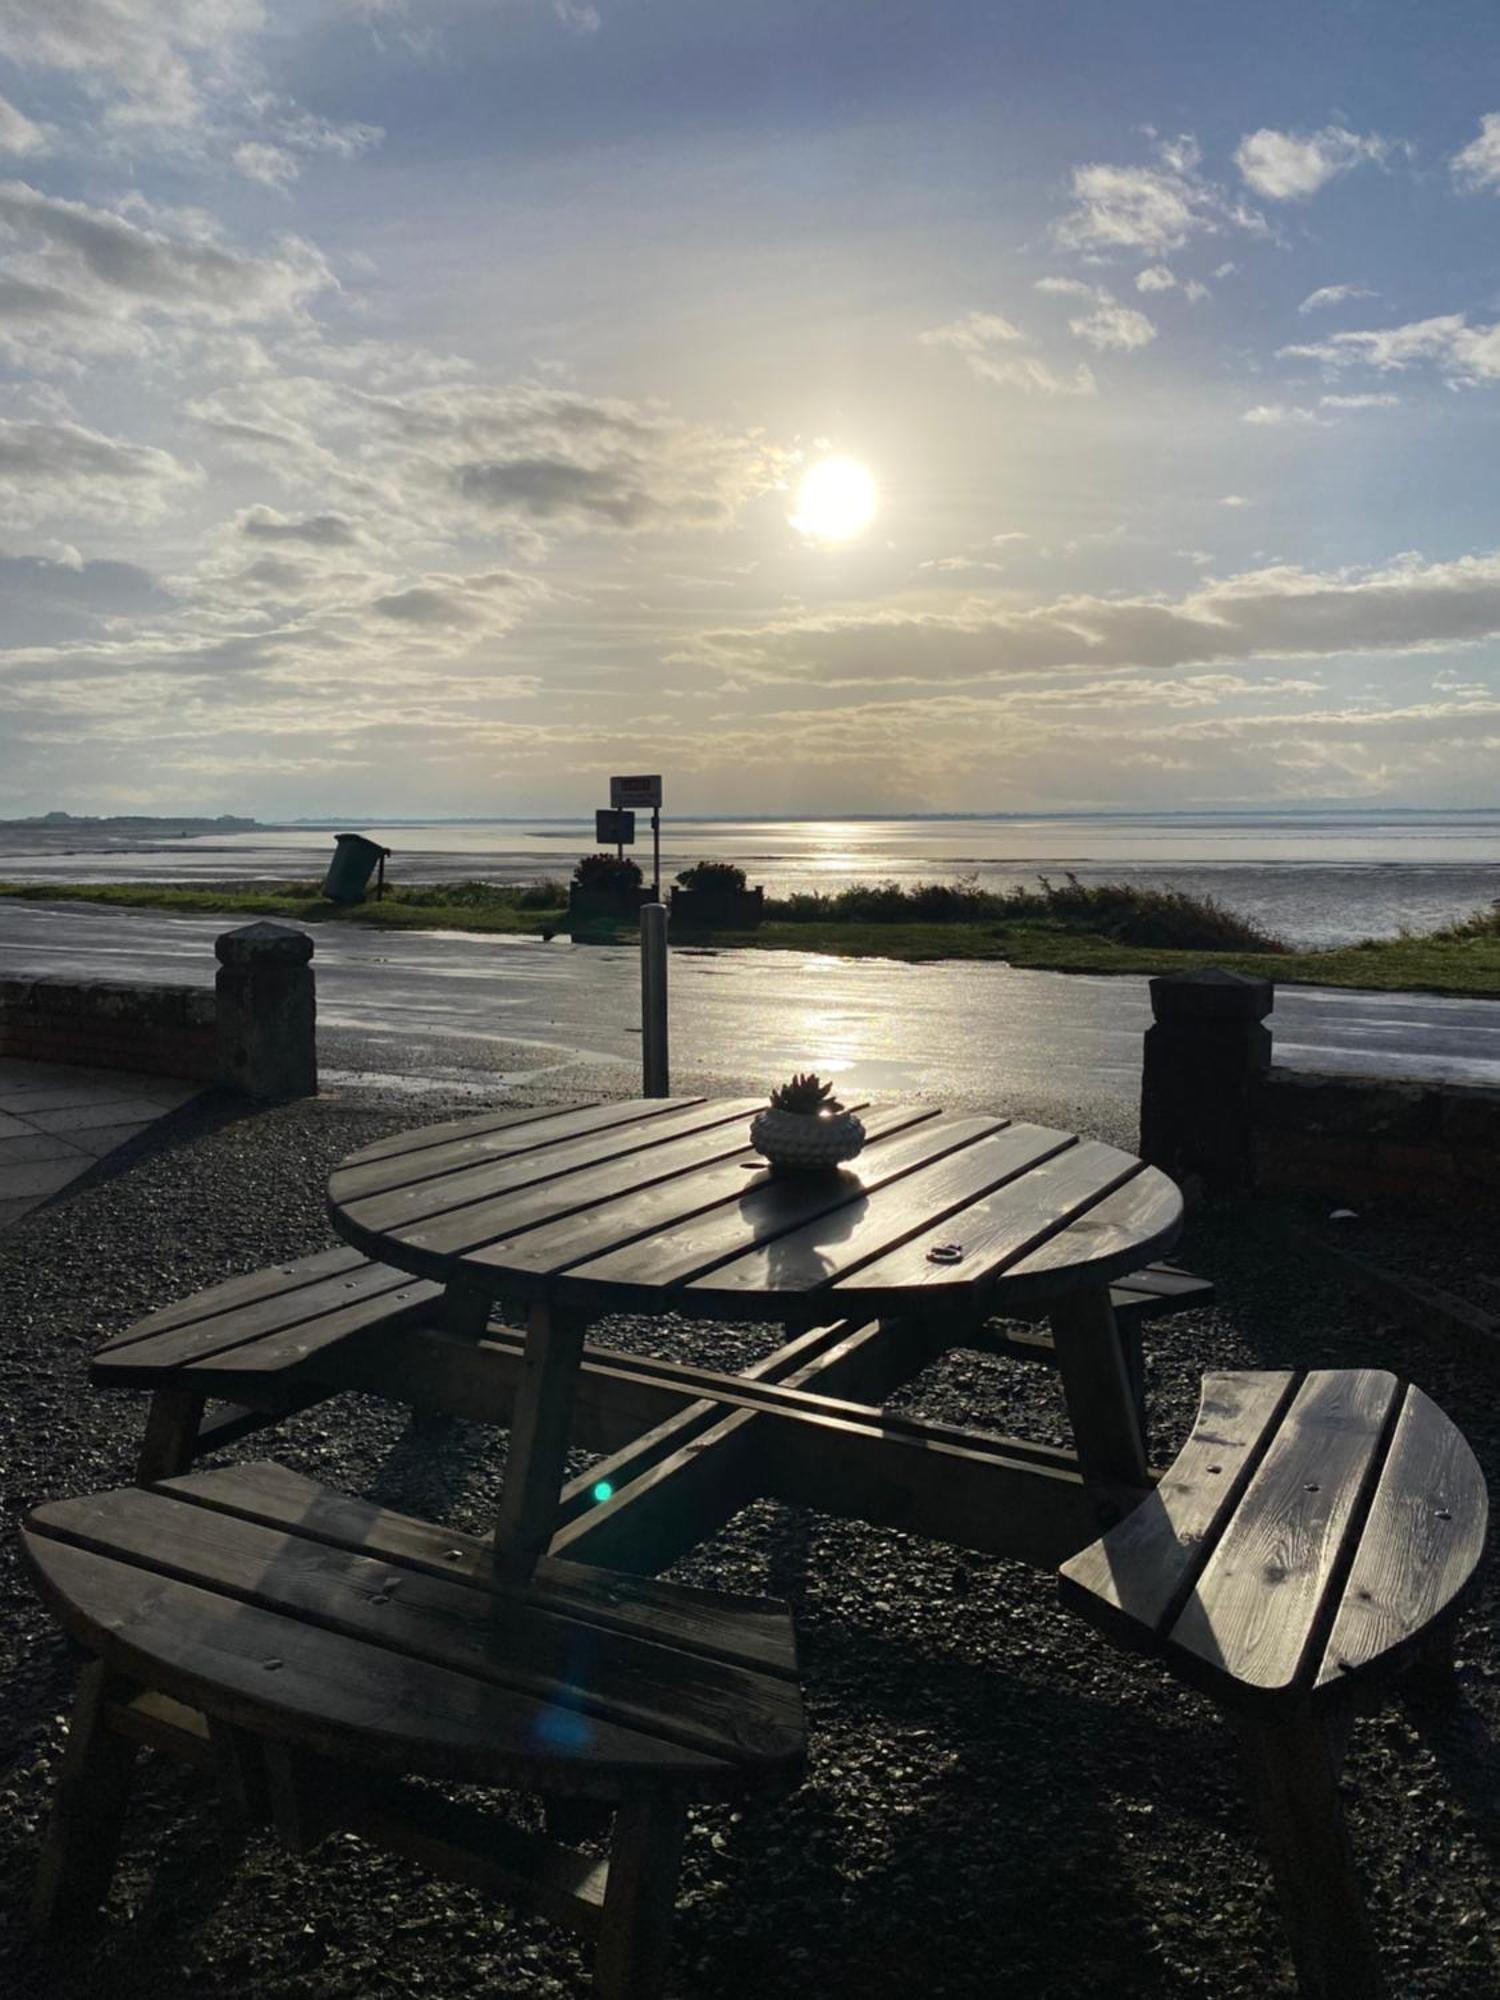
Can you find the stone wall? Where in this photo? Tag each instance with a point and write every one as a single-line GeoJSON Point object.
{"type": "Point", "coordinates": [1362, 1137]}
{"type": "Point", "coordinates": [254, 1031]}
{"type": "Point", "coordinates": [1221, 1118]}
{"type": "Point", "coordinates": [107, 1024]}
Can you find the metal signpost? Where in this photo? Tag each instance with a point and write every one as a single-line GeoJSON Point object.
{"type": "Point", "coordinates": [643, 792]}
{"type": "Point", "coordinates": [616, 830]}
{"type": "Point", "coordinates": [624, 795]}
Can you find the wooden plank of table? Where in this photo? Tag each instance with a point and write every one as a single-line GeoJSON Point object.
{"type": "Point", "coordinates": [1141, 1216]}
{"type": "Point", "coordinates": [355, 1296]}
{"type": "Point", "coordinates": [1420, 1543]}
{"type": "Point", "coordinates": [385, 1212]}
{"type": "Point", "coordinates": [1133, 1581]}
{"type": "Point", "coordinates": [1288, 1532]}
{"type": "Point", "coordinates": [462, 1163]}
{"type": "Point", "coordinates": [774, 1206]}
{"type": "Point", "coordinates": [814, 1257]}
{"type": "Point", "coordinates": [473, 1126]}
{"type": "Point", "coordinates": [1062, 1178]}
{"type": "Point", "coordinates": [716, 1624]}
{"type": "Point", "coordinates": [625, 1679]}
{"type": "Point", "coordinates": [310, 1348]}
{"type": "Point", "coordinates": [591, 1228]}
{"type": "Point", "coordinates": [679, 1176]}
{"type": "Point", "coordinates": [336, 1695]}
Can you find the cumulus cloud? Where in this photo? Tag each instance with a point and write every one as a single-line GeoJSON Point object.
{"type": "Point", "coordinates": [323, 531]}
{"type": "Point", "coordinates": [1155, 278]}
{"type": "Point", "coordinates": [60, 469]}
{"type": "Point", "coordinates": [993, 349]}
{"type": "Point", "coordinates": [18, 133]}
{"type": "Point", "coordinates": [1151, 208]}
{"type": "Point", "coordinates": [1333, 295]}
{"type": "Point", "coordinates": [1477, 167]}
{"type": "Point", "coordinates": [451, 458]}
{"type": "Point", "coordinates": [1280, 612]}
{"type": "Point", "coordinates": [1280, 416]}
{"type": "Point", "coordinates": [1290, 166]}
{"type": "Point", "coordinates": [1114, 326]}
{"type": "Point", "coordinates": [144, 60]}
{"type": "Point", "coordinates": [1462, 353]}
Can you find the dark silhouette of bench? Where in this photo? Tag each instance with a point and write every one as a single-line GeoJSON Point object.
{"type": "Point", "coordinates": [1311, 1545]}
{"type": "Point", "coordinates": [320, 1652]}
{"type": "Point", "coordinates": [233, 1359]}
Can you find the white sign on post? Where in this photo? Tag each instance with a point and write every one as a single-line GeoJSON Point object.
{"type": "Point", "coordinates": [635, 792]}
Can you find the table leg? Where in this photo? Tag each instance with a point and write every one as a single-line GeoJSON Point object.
{"type": "Point", "coordinates": [539, 1433]}
{"type": "Point", "coordinates": [1101, 1405]}
{"type": "Point", "coordinates": [466, 1307]}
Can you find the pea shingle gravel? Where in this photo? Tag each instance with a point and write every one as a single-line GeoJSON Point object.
{"type": "Point", "coordinates": [997, 1804]}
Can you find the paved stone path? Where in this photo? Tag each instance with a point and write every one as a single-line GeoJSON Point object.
{"type": "Point", "coordinates": [55, 1122]}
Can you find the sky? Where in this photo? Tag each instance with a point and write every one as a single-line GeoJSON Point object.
{"type": "Point", "coordinates": [425, 406]}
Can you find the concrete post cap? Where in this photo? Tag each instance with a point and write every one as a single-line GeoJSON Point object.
{"type": "Point", "coordinates": [1211, 995]}
{"type": "Point", "coordinates": [263, 943]}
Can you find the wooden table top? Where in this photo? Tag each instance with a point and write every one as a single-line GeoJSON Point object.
{"type": "Point", "coordinates": [662, 1203]}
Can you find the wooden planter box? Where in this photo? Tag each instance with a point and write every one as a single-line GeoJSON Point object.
{"type": "Point", "coordinates": [718, 910]}
{"type": "Point", "coordinates": [601, 908]}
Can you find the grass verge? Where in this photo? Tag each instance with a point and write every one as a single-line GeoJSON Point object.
{"type": "Point", "coordinates": [1058, 929]}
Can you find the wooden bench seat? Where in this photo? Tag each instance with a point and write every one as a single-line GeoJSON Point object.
{"type": "Point", "coordinates": [235, 1358]}
{"type": "Point", "coordinates": [1312, 1542]}
{"type": "Point", "coordinates": [258, 1347]}
{"type": "Point", "coordinates": [332, 1645]}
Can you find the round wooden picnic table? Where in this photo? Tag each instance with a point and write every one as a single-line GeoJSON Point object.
{"type": "Point", "coordinates": [660, 1204]}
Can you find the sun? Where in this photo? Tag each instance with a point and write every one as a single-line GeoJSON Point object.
{"type": "Point", "coordinates": [835, 501]}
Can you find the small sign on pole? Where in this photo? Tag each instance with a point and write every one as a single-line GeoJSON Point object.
{"type": "Point", "coordinates": [643, 791]}
{"type": "Point", "coordinates": [635, 792]}
{"type": "Point", "coordinates": [614, 829]}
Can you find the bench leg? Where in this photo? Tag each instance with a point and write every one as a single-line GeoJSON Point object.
{"type": "Point", "coordinates": [1292, 1767]}
{"type": "Point", "coordinates": [88, 1808]}
{"type": "Point", "coordinates": [1096, 1383]}
{"type": "Point", "coordinates": [171, 1439]}
{"type": "Point", "coordinates": [639, 1898]}
{"type": "Point", "coordinates": [540, 1428]}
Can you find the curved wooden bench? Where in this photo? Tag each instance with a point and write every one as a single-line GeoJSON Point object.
{"type": "Point", "coordinates": [318, 1647]}
{"type": "Point", "coordinates": [1312, 1542]}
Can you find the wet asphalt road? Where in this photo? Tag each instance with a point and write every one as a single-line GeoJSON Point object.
{"type": "Point", "coordinates": [456, 1007]}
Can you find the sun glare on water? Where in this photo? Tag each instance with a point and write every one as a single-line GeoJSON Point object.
{"type": "Point", "coordinates": [835, 501]}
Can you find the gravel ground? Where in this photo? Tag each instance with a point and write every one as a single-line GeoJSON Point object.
{"type": "Point", "coordinates": [996, 1803]}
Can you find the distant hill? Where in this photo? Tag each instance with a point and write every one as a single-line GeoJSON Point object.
{"type": "Point", "coordinates": [153, 824]}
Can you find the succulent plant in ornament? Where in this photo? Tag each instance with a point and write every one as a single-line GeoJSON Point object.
{"type": "Point", "coordinates": [805, 1129]}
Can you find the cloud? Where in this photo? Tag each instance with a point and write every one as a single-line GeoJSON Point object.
{"type": "Point", "coordinates": [319, 530]}
{"type": "Point", "coordinates": [1235, 500]}
{"type": "Point", "coordinates": [1290, 415]}
{"type": "Point", "coordinates": [1476, 168]}
{"type": "Point", "coordinates": [989, 344]}
{"type": "Point", "coordinates": [1464, 354]}
{"type": "Point", "coordinates": [47, 599]}
{"type": "Point", "coordinates": [1286, 166]}
{"type": "Point", "coordinates": [1155, 278]}
{"type": "Point", "coordinates": [49, 469]}
{"type": "Point", "coordinates": [1280, 416]}
{"type": "Point", "coordinates": [1155, 208]}
{"type": "Point", "coordinates": [151, 61]}
{"type": "Point", "coordinates": [1114, 326]}
{"type": "Point", "coordinates": [1333, 295]}
{"type": "Point", "coordinates": [18, 133]}
{"type": "Point", "coordinates": [1281, 612]}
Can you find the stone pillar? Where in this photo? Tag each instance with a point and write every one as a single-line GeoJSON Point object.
{"type": "Point", "coordinates": [1204, 1059]}
{"type": "Point", "coordinates": [267, 1011]}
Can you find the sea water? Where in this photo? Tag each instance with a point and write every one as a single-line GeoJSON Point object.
{"type": "Point", "coordinates": [1316, 878]}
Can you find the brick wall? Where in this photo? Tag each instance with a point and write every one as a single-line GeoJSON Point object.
{"type": "Point", "coordinates": [101, 1024]}
{"type": "Point", "coordinates": [1359, 1137]}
